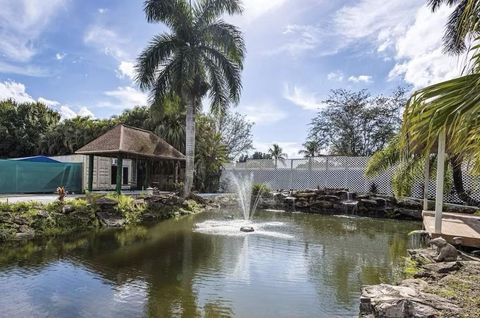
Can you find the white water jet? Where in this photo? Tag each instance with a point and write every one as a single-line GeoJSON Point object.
{"type": "Point", "coordinates": [243, 187]}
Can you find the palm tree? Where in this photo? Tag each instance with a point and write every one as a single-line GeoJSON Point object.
{"type": "Point", "coordinates": [462, 23]}
{"type": "Point", "coordinates": [201, 56]}
{"type": "Point", "coordinates": [312, 149]}
{"type": "Point", "coordinates": [277, 153]}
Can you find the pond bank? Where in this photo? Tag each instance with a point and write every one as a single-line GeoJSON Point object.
{"type": "Point", "coordinates": [26, 220]}
{"type": "Point", "coordinates": [341, 201]}
{"type": "Point", "coordinates": [433, 289]}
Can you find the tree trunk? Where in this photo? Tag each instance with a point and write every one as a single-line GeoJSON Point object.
{"type": "Point", "coordinates": [189, 147]}
{"type": "Point", "coordinates": [456, 162]}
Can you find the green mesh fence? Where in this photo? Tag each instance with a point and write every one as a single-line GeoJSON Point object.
{"type": "Point", "coordinates": [39, 177]}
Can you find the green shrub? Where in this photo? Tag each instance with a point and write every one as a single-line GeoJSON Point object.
{"type": "Point", "coordinates": [260, 188]}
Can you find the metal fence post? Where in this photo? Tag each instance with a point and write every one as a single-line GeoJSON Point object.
{"type": "Point", "coordinates": [326, 172]}
{"type": "Point", "coordinates": [291, 173]}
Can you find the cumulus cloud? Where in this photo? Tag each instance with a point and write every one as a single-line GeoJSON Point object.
{"type": "Point", "coordinates": [60, 56]}
{"type": "Point", "coordinates": [17, 92]}
{"type": "Point", "coordinates": [407, 31]}
{"type": "Point", "coordinates": [126, 69]}
{"type": "Point", "coordinates": [302, 98]}
{"type": "Point", "coordinates": [335, 76]}
{"type": "Point", "coordinates": [360, 79]}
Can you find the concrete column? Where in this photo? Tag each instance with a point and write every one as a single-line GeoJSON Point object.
{"type": "Point", "coordinates": [426, 182]}
{"type": "Point", "coordinates": [440, 178]}
{"type": "Point", "coordinates": [90, 173]}
{"type": "Point", "coordinates": [118, 186]}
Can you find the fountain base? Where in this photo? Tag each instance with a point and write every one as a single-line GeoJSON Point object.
{"type": "Point", "coordinates": [247, 229]}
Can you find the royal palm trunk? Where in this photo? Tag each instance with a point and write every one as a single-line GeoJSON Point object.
{"type": "Point", "coordinates": [189, 147]}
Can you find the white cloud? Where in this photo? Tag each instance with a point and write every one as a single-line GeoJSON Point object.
{"type": "Point", "coordinates": [66, 112]}
{"type": "Point", "coordinates": [107, 41]}
{"type": "Point", "coordinates": [301, 39]}
{"type": "Point", "coordinates": [254, 9]}
{"type": "Point", "coordinates": [381, 21]}
{"type": "Point", "coordinates": [21, 22]}
{"type": "Point", "coordinates": [335, 76]}
{"type": "Point", "coordinates": [419, 55]}
{"type": "Point", "coordinates": [48, 102]}
{"type": "Point", "coordinates": [125, 97]}
{"type": "Point", "coordinates": [102, 10]}
{"type": "Point", "coordinates": [262, 113]}
{"type": "Point", "coordinates": [301, 97]}
{"type": "Point", "coordinates": [60, 56]}
{"type": "Point", "coordinates": [15, 91]}
{"type": "Point", "coordinates": [126, 69]}
{"type": "Point", "coordinates": [85, 112]}
{"type": "Point", "coordinates": [409, 31]}
{"type": "Point", "coordinates": [360, 79]}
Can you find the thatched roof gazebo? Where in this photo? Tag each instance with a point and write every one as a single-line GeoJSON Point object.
{"type": "Point", "coordinates": [125, 142]}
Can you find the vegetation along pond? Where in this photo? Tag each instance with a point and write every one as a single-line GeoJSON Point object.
{"type": "Point", "coordinates": [293, 265]}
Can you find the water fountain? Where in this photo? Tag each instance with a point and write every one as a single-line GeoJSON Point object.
{"type": "Point", "coordinates": [243, 187]}
{"type": "Point", "coordinates": [350, 203]}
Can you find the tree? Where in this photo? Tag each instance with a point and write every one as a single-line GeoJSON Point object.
{"type": "Point", "coordinates": [277, 153]}
{"type": "Point", "coordinates": [449, 107]}
{"type": "Point", "coordinates": [260, 155]}
{"type": "Point", "coordinates": [200, 55]}
{"type": "Point", "coordinates": [312, 149]}
{"type": "Point", "coordinates": [21, 127]}
{"type": "Point", "coordinates": [462, 25]}
{"type": "Point", "coordinates": [356, 124]}
{"type": "Point", "coordinates": [211, 154]}
{"type": "Point", "coordinates": [236, 134]}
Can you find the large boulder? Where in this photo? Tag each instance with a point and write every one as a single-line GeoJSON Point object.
{"type": "Point", "coordinates": [406, 300]}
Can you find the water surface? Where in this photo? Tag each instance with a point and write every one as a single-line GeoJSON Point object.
{"type": "Point", "coordinates": [294, 265]}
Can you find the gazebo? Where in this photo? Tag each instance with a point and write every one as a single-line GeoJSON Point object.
{"type": "Point", "coordinates": [125, 142]}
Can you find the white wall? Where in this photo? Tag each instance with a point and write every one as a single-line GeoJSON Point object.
{"type": "Point", "coordinates": [102, 169]}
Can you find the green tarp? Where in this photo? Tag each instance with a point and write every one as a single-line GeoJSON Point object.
{"type": "Point", "coordinates": [39, 177]}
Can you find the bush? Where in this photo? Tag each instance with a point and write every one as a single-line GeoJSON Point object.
{"type": "Point", "coordinates": [260, 189]}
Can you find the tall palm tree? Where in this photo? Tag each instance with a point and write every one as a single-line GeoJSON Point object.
{"type": "Point", "coordinates": [312, 149]}
{"type": "Point", "coordinates": [277, 153]}
{"type": "Point", "coordinates": [462, 23]}
{"type": "Point", "coordinates": [201, 56]}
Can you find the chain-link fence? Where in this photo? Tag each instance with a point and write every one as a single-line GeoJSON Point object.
{"type": "Point", "coordinates": [336, 172]}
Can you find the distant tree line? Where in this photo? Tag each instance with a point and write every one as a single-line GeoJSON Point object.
{"type": "Point", "coordinates": [28, 129]}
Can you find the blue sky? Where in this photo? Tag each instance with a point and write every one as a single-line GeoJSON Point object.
{"type": "Point", "coordinates": [77, 56]}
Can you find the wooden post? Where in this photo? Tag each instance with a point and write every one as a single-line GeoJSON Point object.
{"type": "Point", "coordinates": [118, 187]}
{"type": "Point", "coordinates": [90, 172]}
{"type": "Point", "coordinates": [426, 182]}
{"type": "Point", "coordinates": [440, 178]}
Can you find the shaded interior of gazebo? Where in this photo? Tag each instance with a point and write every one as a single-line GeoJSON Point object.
{"type": "Point", "coordinates": [156, 159]}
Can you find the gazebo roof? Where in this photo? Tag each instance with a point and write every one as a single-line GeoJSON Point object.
{"type": "Point", "coordinates": [131, 142]}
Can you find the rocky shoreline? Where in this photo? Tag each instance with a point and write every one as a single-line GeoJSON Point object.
{"type": "Point", "coordinates": [433, 289]}
{"type": "Point", "coordinates": [27, 220]}
{"type": "Point", "coordinates": [341, 201]}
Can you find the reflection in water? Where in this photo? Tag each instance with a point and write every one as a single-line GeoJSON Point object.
{"type": "Point", "coordinates": [296, 265]}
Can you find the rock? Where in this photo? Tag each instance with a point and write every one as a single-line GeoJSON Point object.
{"type": "Point", "coordinates": [20, 220]}
{"type": "Point", "coordinates": [247, 229]}
{"type": "Point", "coordinates": [446, 252]}
{"type": "Point", "coordinates": [67, 209]}
{"type": "Point", "coordinates": [24, 232]}
{"type": "Point", "coordinates": [5, 217]}
{"type": "Point", "coordinates": [403, 301]}
{"type": "Point", "coordinates": [443, 268]}
{"type": "Point", "coordinates": [109, 219]}
{"type": "Point", "coordinates": [42, 214]}
{"type": "Point", "coordinates": [415, 214]}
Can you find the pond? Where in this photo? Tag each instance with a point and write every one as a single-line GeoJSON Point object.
{"type": "Point", "coordinates": [294, 265]}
